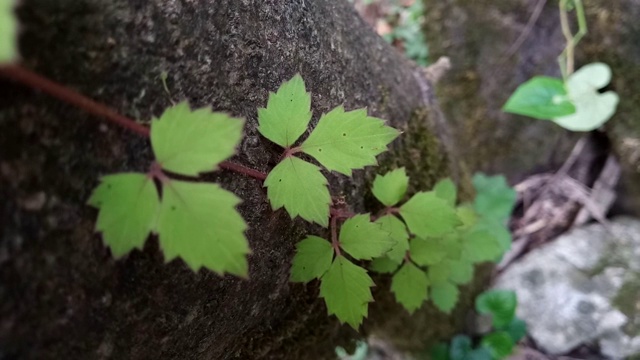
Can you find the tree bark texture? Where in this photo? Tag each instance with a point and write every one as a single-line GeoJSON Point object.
{"type": "Point", "coordinates": [63, 296]}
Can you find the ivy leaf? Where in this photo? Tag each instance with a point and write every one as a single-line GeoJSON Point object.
{"type": "Point", "coordinates": [592, 107]}
{"type": "Point", "coordinates": [517, 329]}
{"type": "Point", "coordinates": [444, 296]}
{"type": "Point", "coordinates": [461, 272]}
{"type": "Point", "coordinates": [8, 32]}
{"type": "Point", "coordinates": [391, 187]}
{"type": "Point", "coordinates": [384, 265]}
{"type": "Point", "coordinates": [480, 246]}
{"type": "Point", "coordinates": [500, 344]}
{"type": "Point", "coordinates": [410, 285]}
{"type": "Point", "coordinates": [128, 206]}
{"type": "Point", "coordinates": [301, 188]}
{"type": "Point", "coordinates": [428, 215]}
{"type": "Point", "coordinates": [500, 304]}
{"type": "Point", "coordinates": [398, 233]}
{"type": "Point", "coordinates": [346, 289]}
{"type": "Point", "coordinates": [343, 141]}
{"type": "Point", "coordinates": [426, 252]}
{"type": "Point", "coordinates": [446, 190]}
{"type": "Point", "coordinates": [199, 223]}
{"type": "Point", "coordinates": [190, 142]}
{"type": "Point", "coordinates": [287, 114]}
{"type": "Point", "coordinates": [542, 97]}
{"type": "Point", "coordinates": [363, 239]}
{"type": "Point", "coordinates": [313, 258]}
{"type": "Point", "coordinates": [494, 197]}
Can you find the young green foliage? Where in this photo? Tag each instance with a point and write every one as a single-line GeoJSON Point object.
{"type": "Point", "coordinates": [347, 140]}
{"type": "Point", "coordinates": [398, 233]}
{"type": "Point", "coordinates": [500, 344]}
{"type": "Point", "coordinates": [494, 197]}
{"type": "Point", "coordinates": [480, 246]}
{"type": "Point", "coordinates": [500, 304]}
{"type": "Point", "coordinates": [313, 259]}
{"type": "Point", "coordinates": [517, 329]}
{"type": "Point", "coordinates": [427, 252]}
{"type": "Point", "coordinates": [444, 296]}
{"type": "Point", "coordinates": [445, 189]}
{"type": "Point", "coordinates": [364, 240]}
{"type": "Point", "coordinates": [301, 188]}
{"type": "Point", "coordinates": [391, 187]}
{"type": "Point", "coordinates": [384, 265]}
{"type": "Point", "coordinates": [8, 32]}
{"type": "Point", "coordinates": [542, 97]}
{"type": "Point", "coordinates": [346, 289]}
{"type": "Point", "coordinates": [426, 214]}
{"type": "Point", "coordinates": [190, 142]}
{"type": "Point", "coordinates": [410, 286]}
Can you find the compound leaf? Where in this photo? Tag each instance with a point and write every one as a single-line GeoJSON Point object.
{"type": "Point", "coordinates": [461, 272]}
{"type": "Point", "coordinates": [398, 232]}
{"type": "Point", "coordinates": [542, 97]}
{"type": "Point", "coordinates": [439, 273]}
{"type": "Point", "coordinates": [428, 215]}
{"type": "Point", "coordinates": [494, 197]}
{"type": "Point", "coordinates": [313, 258]}
{"type": "Point", "coordinates": [190, 142]}
{"type": "Point", "coordinates": [346, 289]}
{"type": "Point", "coordinates": [500, 304]}
{"type": "Point", "coordinates": [481, 245]}
{"type": "Point", "coordinates": [426, 252]}
{"type": "Point", "coordinates": [287, 114]}
{"type": "Point", "coordinates": [128, 206]}
{"type": "Point", "coordinates": [364, 240]}
{"type": "Point", "coordinates": [8, 32]}
{"type": "Point", "coordinates": [410, 286]}
{"type": "Point", "coordinates": [198, 222]}
{"type": "Point", "coordinates": [391, 187]}
{"type": "Point", "coordinates": [343, 141]}
{"type": "Point", "coordinates": [384, 265]}
{"type": "Point", "coordinates": [444, 296]}
{"type": "Point", "coordinates": [499, 343]}
{"type": "Point", "coordinates": [301, 188]}
{"type": "Point", "coordinates": [446, 190]}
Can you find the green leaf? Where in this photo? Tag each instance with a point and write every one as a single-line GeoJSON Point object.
{"type": "Point", "coordinates": [446, 190]}
{"type": "Point", "coordinates": [343, 141]}
{"type": "Point", "coordinates": [499, 344]}
{"type": "Point", "coordinates": [8, 32]}
{"type": "Point", "coordinates": [301, 188]}
{"type": "Point", "coordinates": [460, 347]}
{"type": "Point", "coordinates": [494, 197]}
{"type": "Point", "coordinates": [313, 258]}
{"type": "Point", "coordinates": [500, 304]}
{"type": "Point", "coordinates": [517, 329]}
{"type": "Point", "coordinates": [398, 233]}
{"type": "Point", "coordinates": [542, 97]}
{"type": "Point", "coordinates": [426, 252]}
{"type": "Point", "coordinates": [410, 285]}
{"type": "Point", "coordinates": [346, 289]}
{"type": "Point", "coordinates": [364, 240]}
{"type": "Point", "coordinates": [190, 142]}
{"type": "Point", "coordinates": [461, 272]}
{"type": "Point", "coordinates": [593, 108]}
{"type": "Point", "coordinates": [444, 296]}
{"type": "Point", "coordinates": [439, 273]}
{"type": "Point", "coordinates": [384, 265]}
{"type": "Point", "coordinates": [287, 114]}
{"type": "Point", "coordinates": [499, 232]}
{"type": "Point", "coordinates": [467, 216]}
{"type": "Point", "coordinates": [480, 246]}
{"type": "Point", "coordinates": [199, 223]}
{"type": "Point", "coordinates": [440, 351]}
{"type": "Point", "coordinates": [479, 354]}
{"type": "Point", "coordinates": [391, 187]}
{"type": "Point", "coordinates": [428, 215]}
{"type": "Point", "coordinates": [128, 206]}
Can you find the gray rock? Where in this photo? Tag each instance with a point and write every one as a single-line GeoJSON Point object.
{"type": "Point", "coordinates": [582, 288]}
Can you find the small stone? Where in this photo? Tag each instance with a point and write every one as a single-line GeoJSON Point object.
{"type": "Point", "coordinates": [34, 202]}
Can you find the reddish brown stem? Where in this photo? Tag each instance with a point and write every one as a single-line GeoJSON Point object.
{"type": "Point", "coordinates": [60, 92]}
{"type": "Point", "coordinates": [334, 235]}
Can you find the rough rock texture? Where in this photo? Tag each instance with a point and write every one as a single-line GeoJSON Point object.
{"type": "Point", "coordinates": [582, 288]}
{"type": "Point", "coordinates": [62, 295]}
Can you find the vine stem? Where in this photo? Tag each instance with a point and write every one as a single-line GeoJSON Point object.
{"type": "Point", "coordinates": [26, 77]}
{"type": "Point", "coordinates": [334, 235]}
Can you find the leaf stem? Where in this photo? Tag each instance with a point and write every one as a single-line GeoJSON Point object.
{"type": "Point", "coordinates": [26, 77]}
{"type": "Point", "coordinates": [334, 235]}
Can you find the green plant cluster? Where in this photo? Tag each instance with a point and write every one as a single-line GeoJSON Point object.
{"type": "Point", "coordinates": [499, 343]}
{"type": "Point", "coordinates": [407, 29]}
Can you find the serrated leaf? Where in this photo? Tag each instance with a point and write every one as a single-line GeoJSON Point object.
{"type": "Point", "coordinates": [446, 190]}
{"type": "Point", "coordinates": [426, 252]}
{"type": "Point", "coordinates": [287, 114]}
{"type": "Point", "coordinates": [410, 286]}
{"type": "Point", "coordinates": [313, 258]}
{"type": "Point", "coordinates": [428, 215]}
{"type": "Point", "coordinates": [467, 216]}
{"type": "Point", "coordinates": [500, 344]}
{"type": "Point", "coordinates": [593, 108]}
{"type": "Point", "coordinates": [439, 273]}
{"type": "Point", "coordinates": [494, 197]}
{"type": "Point", "coordinates": [460, 347]}
{"type": "Point", "coordinates": [517, 329]}
{"type": "Point", "coordinates": [499, 232]}
{"type": "Point", "coordinates": [346, 289]}
{"type": "Point", "coordinates": [461, 272]}
{"type": "Point", "coordinates": [391, 187]}
{"type": "Point", "coordinates": [190, 142]}
{"type": "Point", "coordinates": [500, 304]}
{"type": "Point", "coordinates": [384, 265]}
{"type": "Point", "coordinates": [480, 246]}
{"type": "Point", "coordinates": [444, 296]}
{"type": "Point", "coordinates": [343, 141]}
{"type": "Point", "coordinates": [542, 97]}
{"type": "Point", "coordinates": [301, 188]}
{"type": "Point", "coordinates": [128, 206]}
{"type": "Point", "coordinates": [364, 240]}
{"type": "Point", "coordinates": [198, 222]}
{"type": "Point", "coordinates": [398, 232]}
{"type": "Point", "coordinates": [8, 32]}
